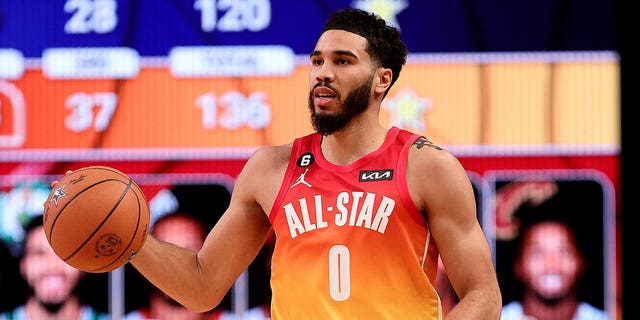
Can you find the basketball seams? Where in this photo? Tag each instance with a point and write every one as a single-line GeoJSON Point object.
{"type": "Point", "coordinates": [138, 194]}
{"type": "Point", "coordinates": [109, 230]}
{"type": "Point", "coordinates": [133, 187]}
{"type": "Point", "coordinates": [79, 193]}
{"type": "Point", "coordinates": [104, 220]}
{"type": "Point", "coordinates": [112, 170]}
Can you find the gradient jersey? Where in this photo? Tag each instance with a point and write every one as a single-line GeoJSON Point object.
{"type": "Point", "coordinates": [350, 243]}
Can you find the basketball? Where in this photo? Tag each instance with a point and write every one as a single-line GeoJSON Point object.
{"type": "Point", "coordinates": [96, 218]}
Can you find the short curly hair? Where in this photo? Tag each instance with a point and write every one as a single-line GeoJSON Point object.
{"type": "Point", "coordinates": [384, 44]}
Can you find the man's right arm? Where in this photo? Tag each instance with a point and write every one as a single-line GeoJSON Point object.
{"type": "Point", "coordinates": [200, 280]}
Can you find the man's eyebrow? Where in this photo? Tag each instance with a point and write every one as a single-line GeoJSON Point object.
{"type": "Point", "coordinates": [335, 52]}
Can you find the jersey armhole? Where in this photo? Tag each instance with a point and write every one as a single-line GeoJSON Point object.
{"type": "Point", "coordinates": [287, 177]}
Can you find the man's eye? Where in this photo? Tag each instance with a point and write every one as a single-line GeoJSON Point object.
{"type": "Point", "coordinates": [316, 62]}
{"type": "Point", "coordinates": [342, 61]}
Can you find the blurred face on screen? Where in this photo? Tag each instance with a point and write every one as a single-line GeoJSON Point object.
{"type": "Point", "coordinates": [186, 232]}
{"type": "Point", "coordinates": [550, 262]}
{"type": "Point", "coordinates": [51, 279]}
{"type": "Point", "coordinates": [180, 230]}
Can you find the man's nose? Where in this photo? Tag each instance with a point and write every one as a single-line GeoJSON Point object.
{"type": "Point", "coordinates": [325, 73]}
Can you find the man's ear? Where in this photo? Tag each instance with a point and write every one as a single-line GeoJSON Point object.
{"type": "Point", "coordinates": [23, 267]}
{"type": "Point", "coordinates": [517, 269]}
{"type": "Point", "coordinates": [383, 80]}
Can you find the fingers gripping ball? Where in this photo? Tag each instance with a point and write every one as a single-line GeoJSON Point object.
{"type": "Point", "coordinates": [96, 218]}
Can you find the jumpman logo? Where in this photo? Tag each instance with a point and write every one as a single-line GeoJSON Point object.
{"type": "Point", "coordinates": [301, 180]}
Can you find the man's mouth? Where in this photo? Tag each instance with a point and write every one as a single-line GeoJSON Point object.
{"type": "Point", "coordinates": [323, 95]}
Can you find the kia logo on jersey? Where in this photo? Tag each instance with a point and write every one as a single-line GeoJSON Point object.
{"type": "Point", "coordinates": [375, 175]}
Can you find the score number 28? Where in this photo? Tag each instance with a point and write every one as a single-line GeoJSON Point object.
{"type": "Point", "coordinates": [100, 16]}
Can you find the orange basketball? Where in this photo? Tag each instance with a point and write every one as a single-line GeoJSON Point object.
{"type": "Point", "coordinates": [96, 218]}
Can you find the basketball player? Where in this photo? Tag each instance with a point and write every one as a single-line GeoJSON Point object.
{"type": "Point", "coordinates": [361, 212]}
{"type": "Point", "coordinates": [52, 283]}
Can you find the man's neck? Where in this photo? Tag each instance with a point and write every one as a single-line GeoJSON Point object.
{"type": "Point", "coordinates": [353, 142]}
{"type": "Point", "coordinates": [558, 310]}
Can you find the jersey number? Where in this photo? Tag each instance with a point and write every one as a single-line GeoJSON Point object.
{"type": "Point", "coordinates": [339, 273]}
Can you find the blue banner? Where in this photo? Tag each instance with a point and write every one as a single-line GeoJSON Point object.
{"type": "Point", "coordinates": [153, 27]}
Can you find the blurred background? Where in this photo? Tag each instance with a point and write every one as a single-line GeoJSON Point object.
{"type": "Point", "coordinates": [179, 93]}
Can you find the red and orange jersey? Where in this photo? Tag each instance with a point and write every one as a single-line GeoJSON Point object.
{"type": "Point", "coordinates": [350, 243]}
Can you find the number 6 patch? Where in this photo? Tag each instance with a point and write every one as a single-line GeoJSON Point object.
{"type": "Point", "coordinates": [305, 160]}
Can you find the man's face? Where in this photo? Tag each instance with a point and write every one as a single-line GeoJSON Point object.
{"type": "Point", "coordinates": [550, 263]}
{"type": "Point", "coordinates": [341, 79]}
{"type": "Point", "coordinates": [181, 231]}
{"type": "Point", "coordinates": [51, 279]}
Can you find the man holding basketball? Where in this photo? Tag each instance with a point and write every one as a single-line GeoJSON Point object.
{"type": "Point", "coordinates": [361, 212]}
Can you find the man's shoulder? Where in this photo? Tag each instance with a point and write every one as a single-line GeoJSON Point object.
{"type": "Point", "coordinates": [588, 312]}
{"type": "Point", "coordinates": [278, 153]}
{"type": "Point", "coordinates": [512, 311]}
{"type": "Point", "coordinates": [140, 314]}
{"type": "Point", "coordinates": [428, 156]}
{"type": "Point", "coordinates": [89, 313]}
{"type": "Point", "coordinates": [18, 313]}
{"type": "Point", "coordinates": [266, 164]}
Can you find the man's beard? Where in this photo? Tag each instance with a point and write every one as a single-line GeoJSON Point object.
{"type": "Point", "coordinates": [549, 301]}
{"type": "Point", "coordinates": [355, 104]}
{"type": "Point", "coordinates": [52, 307]}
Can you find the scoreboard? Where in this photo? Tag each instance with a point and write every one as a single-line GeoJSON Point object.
{"type": "Point", "coordinates": [68, 101]}
{"type": "Point", "coordinates": [153, 27]}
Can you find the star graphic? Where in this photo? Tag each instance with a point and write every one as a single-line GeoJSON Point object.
{"type": "Point", "coordinates": [407, 110]}
{"type": "Point", "coordinates": [386, 9]}
{"type": "Point", "coordinates": [57, 194]}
